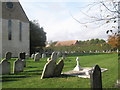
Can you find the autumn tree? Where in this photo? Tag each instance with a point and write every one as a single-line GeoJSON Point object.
{"type": "Point", "coordinates": [114, 40]}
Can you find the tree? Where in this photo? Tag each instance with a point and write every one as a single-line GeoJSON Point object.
{"type": "Point", "coordinates": [114, 40]}
{"type": "Point", "coordinates": [37, 37]}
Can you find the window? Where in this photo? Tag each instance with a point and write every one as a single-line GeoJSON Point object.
{"type": "Point", "coordinates": [9, 30]}
{"type": "Point", "coordinates": [9, 5]}
{"type": "Point", "coordinates": [20, 28]}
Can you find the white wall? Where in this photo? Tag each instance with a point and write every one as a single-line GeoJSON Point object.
{"type": "Point", "coordinates": [0, 29]}
{"type": "Point", "coordinates": [15, 45]}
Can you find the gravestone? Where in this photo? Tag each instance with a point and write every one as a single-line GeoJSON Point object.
{"type": "Point", "coordinates": [54, 56]}
{"type": "Point", "coordinates": [77, 68]}
{"type": "Point", "coordinates": [63, 56]}
{"type": "Point", "coordinates": [58, 68]}
{"type": "Point", "coordinates": [96, 78]}
{"type": "Point", "coordinates": [32, 56]}
{"type": "Point", "coordinates": [8, 55]}
{"type": "Point", "coordinates": [18, 66]}
{"type": "Point", "coordinates": [21, 55]}
{"type": "Point", "coordinates": [48, 70]}
{"type": "Point", "coordinates": [59, 54]}
{"type": "Point", "coordinates": [48, 59]}
{"type": "Point", "coordinates": [27, 55]}
{"type": "Point", "coordinates": [4, 67]}
{"type": "Point", "coordinates": [43, 55]}
{"type": "Point", "coordinates": [24, 62]}
{"type": "Point", "coordinates": [37, 57]}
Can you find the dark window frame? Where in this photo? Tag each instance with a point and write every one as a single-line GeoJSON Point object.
{"type": "Point", "coordinates": [20, 31]}
{"type": "Point", "coordinates": [9, 29]}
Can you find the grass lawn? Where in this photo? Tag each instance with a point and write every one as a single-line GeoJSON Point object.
{"type": "Point", "coordinates": [30, 78]}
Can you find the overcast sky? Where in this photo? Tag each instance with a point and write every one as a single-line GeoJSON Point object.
{"type": "Point", "coordinates": [55, 17]}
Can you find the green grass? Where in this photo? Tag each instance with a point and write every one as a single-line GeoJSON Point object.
{"type": "Point", "coordinates": [30, 78]}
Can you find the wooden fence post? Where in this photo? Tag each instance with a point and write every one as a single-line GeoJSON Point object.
{"type": "Point", "coordinates": [96, 78]}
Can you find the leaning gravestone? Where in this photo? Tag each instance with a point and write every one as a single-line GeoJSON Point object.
{"type": "Point", "coordinates": [22, 55]}
{"type": "Point", "coordinates": [18, 66]}
{"type": "Point", "coordinates": [48, 70]}
{"type": "Point", "coordinates": [8, 55]}
{"type": "Point", "coordinates": [37, 57]}
{"type": "Point", "coordinates": [54, 56]}
{"type": "Point", "coordinates": [4, 67]}
{"type": "Point", "coordinates": [96, 78]}
{"type": "Point", "coordinates": [43, 55]}
{"type": "Point", "coordinates": [58, 68]}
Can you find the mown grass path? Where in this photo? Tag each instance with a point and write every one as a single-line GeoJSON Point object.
{"type": "Point", "coordinates": [30, 78]}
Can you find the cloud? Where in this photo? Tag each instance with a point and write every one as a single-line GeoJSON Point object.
{"type": "Point", "coordinates": [59, 24]}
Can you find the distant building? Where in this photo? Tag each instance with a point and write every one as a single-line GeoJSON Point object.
{"type": "Point", "coordinates": [67, 43]}
{"type": "Point", "coordinates": [14, 28]}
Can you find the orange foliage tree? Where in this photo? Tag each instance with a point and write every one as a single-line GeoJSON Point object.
{"type": "Point", "coordinates": [114, 40]}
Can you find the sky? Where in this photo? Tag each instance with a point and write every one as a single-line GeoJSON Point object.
{"type": "Point", "coordinates": [57, 19]}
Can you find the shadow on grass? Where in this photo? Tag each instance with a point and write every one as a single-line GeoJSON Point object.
{"type": "Point", "coordinates": [31, 67]}
{"type": "Point", "coordinates": [84, 54]}
{"type": "Point", "coordinates": [7, 80]}
{"type": "Point", "coordinates": [14, 77]}
{"type": "Point", "coordinates": [11, 78]}
{"type": "Point", "coordinates": [20, 75]}
{"type": "Point", "coordinates": [34, 71]}
{"type": "Point", "coordinates": [62, 76]}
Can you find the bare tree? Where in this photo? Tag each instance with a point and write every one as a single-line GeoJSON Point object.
{"type": "Point", "coordinates": [107, 12]}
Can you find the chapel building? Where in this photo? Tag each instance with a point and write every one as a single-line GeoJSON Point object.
{"type": "Point", "coordinates": [14, 29]}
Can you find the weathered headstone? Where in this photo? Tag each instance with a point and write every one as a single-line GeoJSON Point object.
{"type": "Point", "coordinates": [58, 68]}
{"type": "Point", "coordinates": [21, 55]}
{"type": "Point", "coordinates": [8, 55]}
{"type": "Point", "coordinates": [59, 54]}
{"type": "Point", "coordinates": [48, 70]}
{"type": "Point", "coordinates": [37, 57]}
{"type": "Point", "coordinates": [96, 78]}
{"type": "Point", "coordinates": [54, 56]}
{"type": "Point", "coordinates": [43, 55]}
{"type": "Point", "coordinates": [48, 59]}
{"type": "Point", "coordinates": [24, 62]}
{"type": "Point", "coordinates": [27, 55]}
{"type": "Point", "coordinates": [18, 66]}
{"type": "Point", "coordinates": [32, 56]}
{"type": "Point", "coordinates": [63, 56]}
{"type": "Point", "coordinates": [4, 67]}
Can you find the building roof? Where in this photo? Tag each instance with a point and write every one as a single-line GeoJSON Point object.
{"type": "Point", "coordinates": [16, 12]}
{"type": "Point", "coordinates": [66, 43]}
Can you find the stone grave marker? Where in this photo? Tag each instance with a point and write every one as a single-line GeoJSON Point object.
{"type": "Point", "coordinates": [37, 57]}
{"type": "Point", "coordinates": [77, 68]}
{"type": "Point", "coordinates": [48, 70]}
{"type": "Point", "coordinates": [27, 55]}
{"type": "Point", "coordinates": [43, 55]}
{"type": "Point", "coordinates": [8, 55]}
{"type": "Point", "coordinates": [58, 68]}
{"type": "Point", "coordinates": [18, 66]}
{"type": "Point", "coordinates": [48, 59]}
{"type": "Point", "coordinates": [59, 54]}
{"type": "Point", "coordinates": [4, 67]}
{"type": "Point", "coordinates": [21, 55]}
{"type": "Point", "coordinates": [54, 56]}
{"type": "Point", "coordinates": [96, 78]}
{"type": "Point", "coordinates": [32, 56]}
{"type": "Point", "coordinates": [24, 62]}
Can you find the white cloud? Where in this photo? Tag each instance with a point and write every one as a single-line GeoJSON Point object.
{"type": "Point", "coordinates": [59, 25]}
